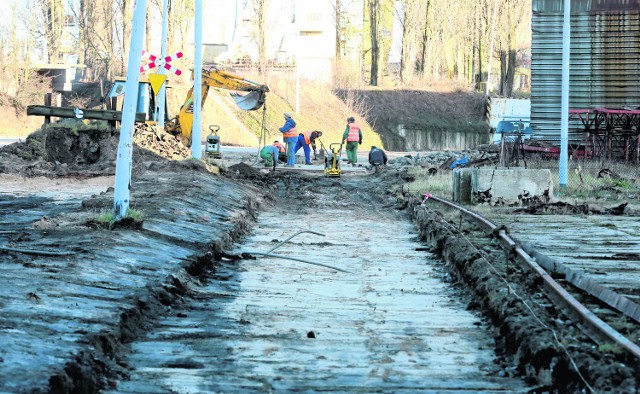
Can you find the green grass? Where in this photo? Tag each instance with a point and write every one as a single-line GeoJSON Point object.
{"type": "Point", "coordinates": [440, 185]}
{"type": "Point", "coordinates": [611, 348]}
{"type": "Point", "coordinates": [107, 220]}
{"type": "Point", "coordinates": [583, 182]}
{"type": "Point", "coordinates": [136, 215]}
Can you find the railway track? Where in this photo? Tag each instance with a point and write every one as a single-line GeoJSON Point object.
{"type": "Point", "coordinates": [596, 259]}
{"type": "Point", "coordinates": [388, 322]}
{"type": "Point", "coordinates": [587, 267]}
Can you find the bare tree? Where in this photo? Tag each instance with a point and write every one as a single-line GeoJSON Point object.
{"type": "Point", "coordinates": [259, 8]}
{"type": "Point", "coordinates": [99, 26]}
{"type": "Point", "coordinates": [81, 18]}
{"type": "Point", "coordinates": [425, 36]}
{"type": "Point", "coordinates": [45, 20]}
{"type": "Point", "coordinates": [20, 84]}
{"type": "Point", "coordinates": [54, 13]}
{"type": "Point", "coordinates": [374, 32]}
{"type": "Point", "coordinates": [125, 11]}
{"type": "Point", "coordinates": [339, 21]}
{"type": "Point", "coordinates": [477, 46]}
{"type": "Point", "coordinates": [512, 15]}
{"type": "Point", "coordinates": [407, 13]}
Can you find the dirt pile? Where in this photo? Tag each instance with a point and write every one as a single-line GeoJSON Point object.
{"type": "Point", "coordinates": [244, 171]}
{"type": "Point", "coordinates": [160, 143]}
{"type": "Point", "coordinates": [69, 150]}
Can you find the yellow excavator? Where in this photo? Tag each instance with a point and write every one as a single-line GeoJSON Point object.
{"type": "Point", "coordinates": [247, 94]}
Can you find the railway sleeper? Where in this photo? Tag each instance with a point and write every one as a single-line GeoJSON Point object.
{"type": "Point", "coordinates": [548, 348]}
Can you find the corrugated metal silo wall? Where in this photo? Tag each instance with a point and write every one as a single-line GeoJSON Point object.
{"type": "Point", "coordinates": [605, 60]}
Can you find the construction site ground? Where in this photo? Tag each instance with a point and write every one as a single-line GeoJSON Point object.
{"type": "Point", "coordinates": [174, 303]}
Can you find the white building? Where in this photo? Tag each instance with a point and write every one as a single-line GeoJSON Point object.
{"type": "Point", "coordinates": [297, 31]}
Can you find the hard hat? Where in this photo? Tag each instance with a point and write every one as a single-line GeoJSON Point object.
{"type": "Point", "coordinates": [287, 115]}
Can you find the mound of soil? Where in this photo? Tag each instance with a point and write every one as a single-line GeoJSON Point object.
{"type": "Point", "coordinates": [64, 150]}
{"type": "Point", "coordinates": [244, 171]}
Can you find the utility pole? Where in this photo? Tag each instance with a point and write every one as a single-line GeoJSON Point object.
{"type": "Point", "coordinates": [162, 96]}
{"type": "Point", "coordinates": [298, 48]}
{"type": "Point", "coordinates": [196, 131]}
{"type": "Point", "coordinates": [564, 99]}
{"type": "Point", "coordinates": [125, 147]}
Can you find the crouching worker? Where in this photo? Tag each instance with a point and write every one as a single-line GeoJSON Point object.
{"type": "Point", "coordinates": [306, 140]}
{"type": "Point", "coordinates": [270, 156]}
{"type": "Point", "coordinates": [282, 151]}
{"type": "Point", "coordinates": [377, 158]}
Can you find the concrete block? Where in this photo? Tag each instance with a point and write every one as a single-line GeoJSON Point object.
{"type": "Point", "coordinates": [509, 185]}
{"type": "Point", "coordinates": [462, 185]}
{"type": "Point", "coordinates": [487, 185]}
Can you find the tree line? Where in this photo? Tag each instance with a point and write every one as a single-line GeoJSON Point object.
{"type": "Point", "coordinates": [438, 39]}
{"type": "Point", "coordinates": [450, 39]}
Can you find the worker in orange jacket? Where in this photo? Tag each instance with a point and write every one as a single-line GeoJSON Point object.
{"type": "Point", "coordinates": [290, 136]}
{"type": "Point", "coordinates": [306, 139]}
{"type": "Point", "coordinates": [353, 136]}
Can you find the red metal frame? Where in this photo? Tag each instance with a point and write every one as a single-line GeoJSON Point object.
{"type": "Point", "coordinates": [609, 133]}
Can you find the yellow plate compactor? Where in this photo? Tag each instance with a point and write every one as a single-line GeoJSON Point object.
{"type": "Point", "coordinates": [332, 160]}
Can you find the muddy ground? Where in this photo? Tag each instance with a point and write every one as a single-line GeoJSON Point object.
{"type": "Point", "coordinates": [193, 214]}
{"type": "Point", "coordinates": [387, 322]}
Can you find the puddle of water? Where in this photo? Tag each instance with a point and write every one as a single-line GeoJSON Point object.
{"type": "Point", "coordinates": [57, 189]}
{"type": "Point", "coordinates": [390, 324]}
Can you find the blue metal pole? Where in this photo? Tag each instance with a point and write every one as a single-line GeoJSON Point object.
{"type": "Point", "coordinates": [163, 53]}
{"type": "Point", "coordinates": [564, 106]}
{"type": "Point", "coordinates": [196, 132]}
{"type": "Point", "coordinates": [125, 146]}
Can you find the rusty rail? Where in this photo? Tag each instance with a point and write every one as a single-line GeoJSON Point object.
{"type": "Point", "coordinates": [591, 324]}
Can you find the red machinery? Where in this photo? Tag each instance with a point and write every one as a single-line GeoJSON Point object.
{"type": "Point", "coordinates": [610, 133]}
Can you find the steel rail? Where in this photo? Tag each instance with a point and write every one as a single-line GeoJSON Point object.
{"type": "Point", "coordinates": [592, 324]}
{"type": "Point", "coordinates": [581, 281]}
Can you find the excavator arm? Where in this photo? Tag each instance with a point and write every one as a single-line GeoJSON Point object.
{"type": "Point", "coordinates": [253, 98]}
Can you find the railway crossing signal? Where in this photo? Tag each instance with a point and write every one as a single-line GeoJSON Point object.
{"type": "Point", "coordinates": [157, 62]}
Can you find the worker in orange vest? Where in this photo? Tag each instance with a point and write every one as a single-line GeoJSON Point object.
{"type": "Point", "coordinates": [353, 136]}
{"type": "Point", "coordinates": [282, 151]}
{"type": "Point", "coordinates": [305, 139]}
{"type": "Point", "coordinates": [290, 136]}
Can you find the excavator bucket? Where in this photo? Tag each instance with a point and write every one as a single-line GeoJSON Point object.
{"type": "Point", "coordinates": [250, 101]}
